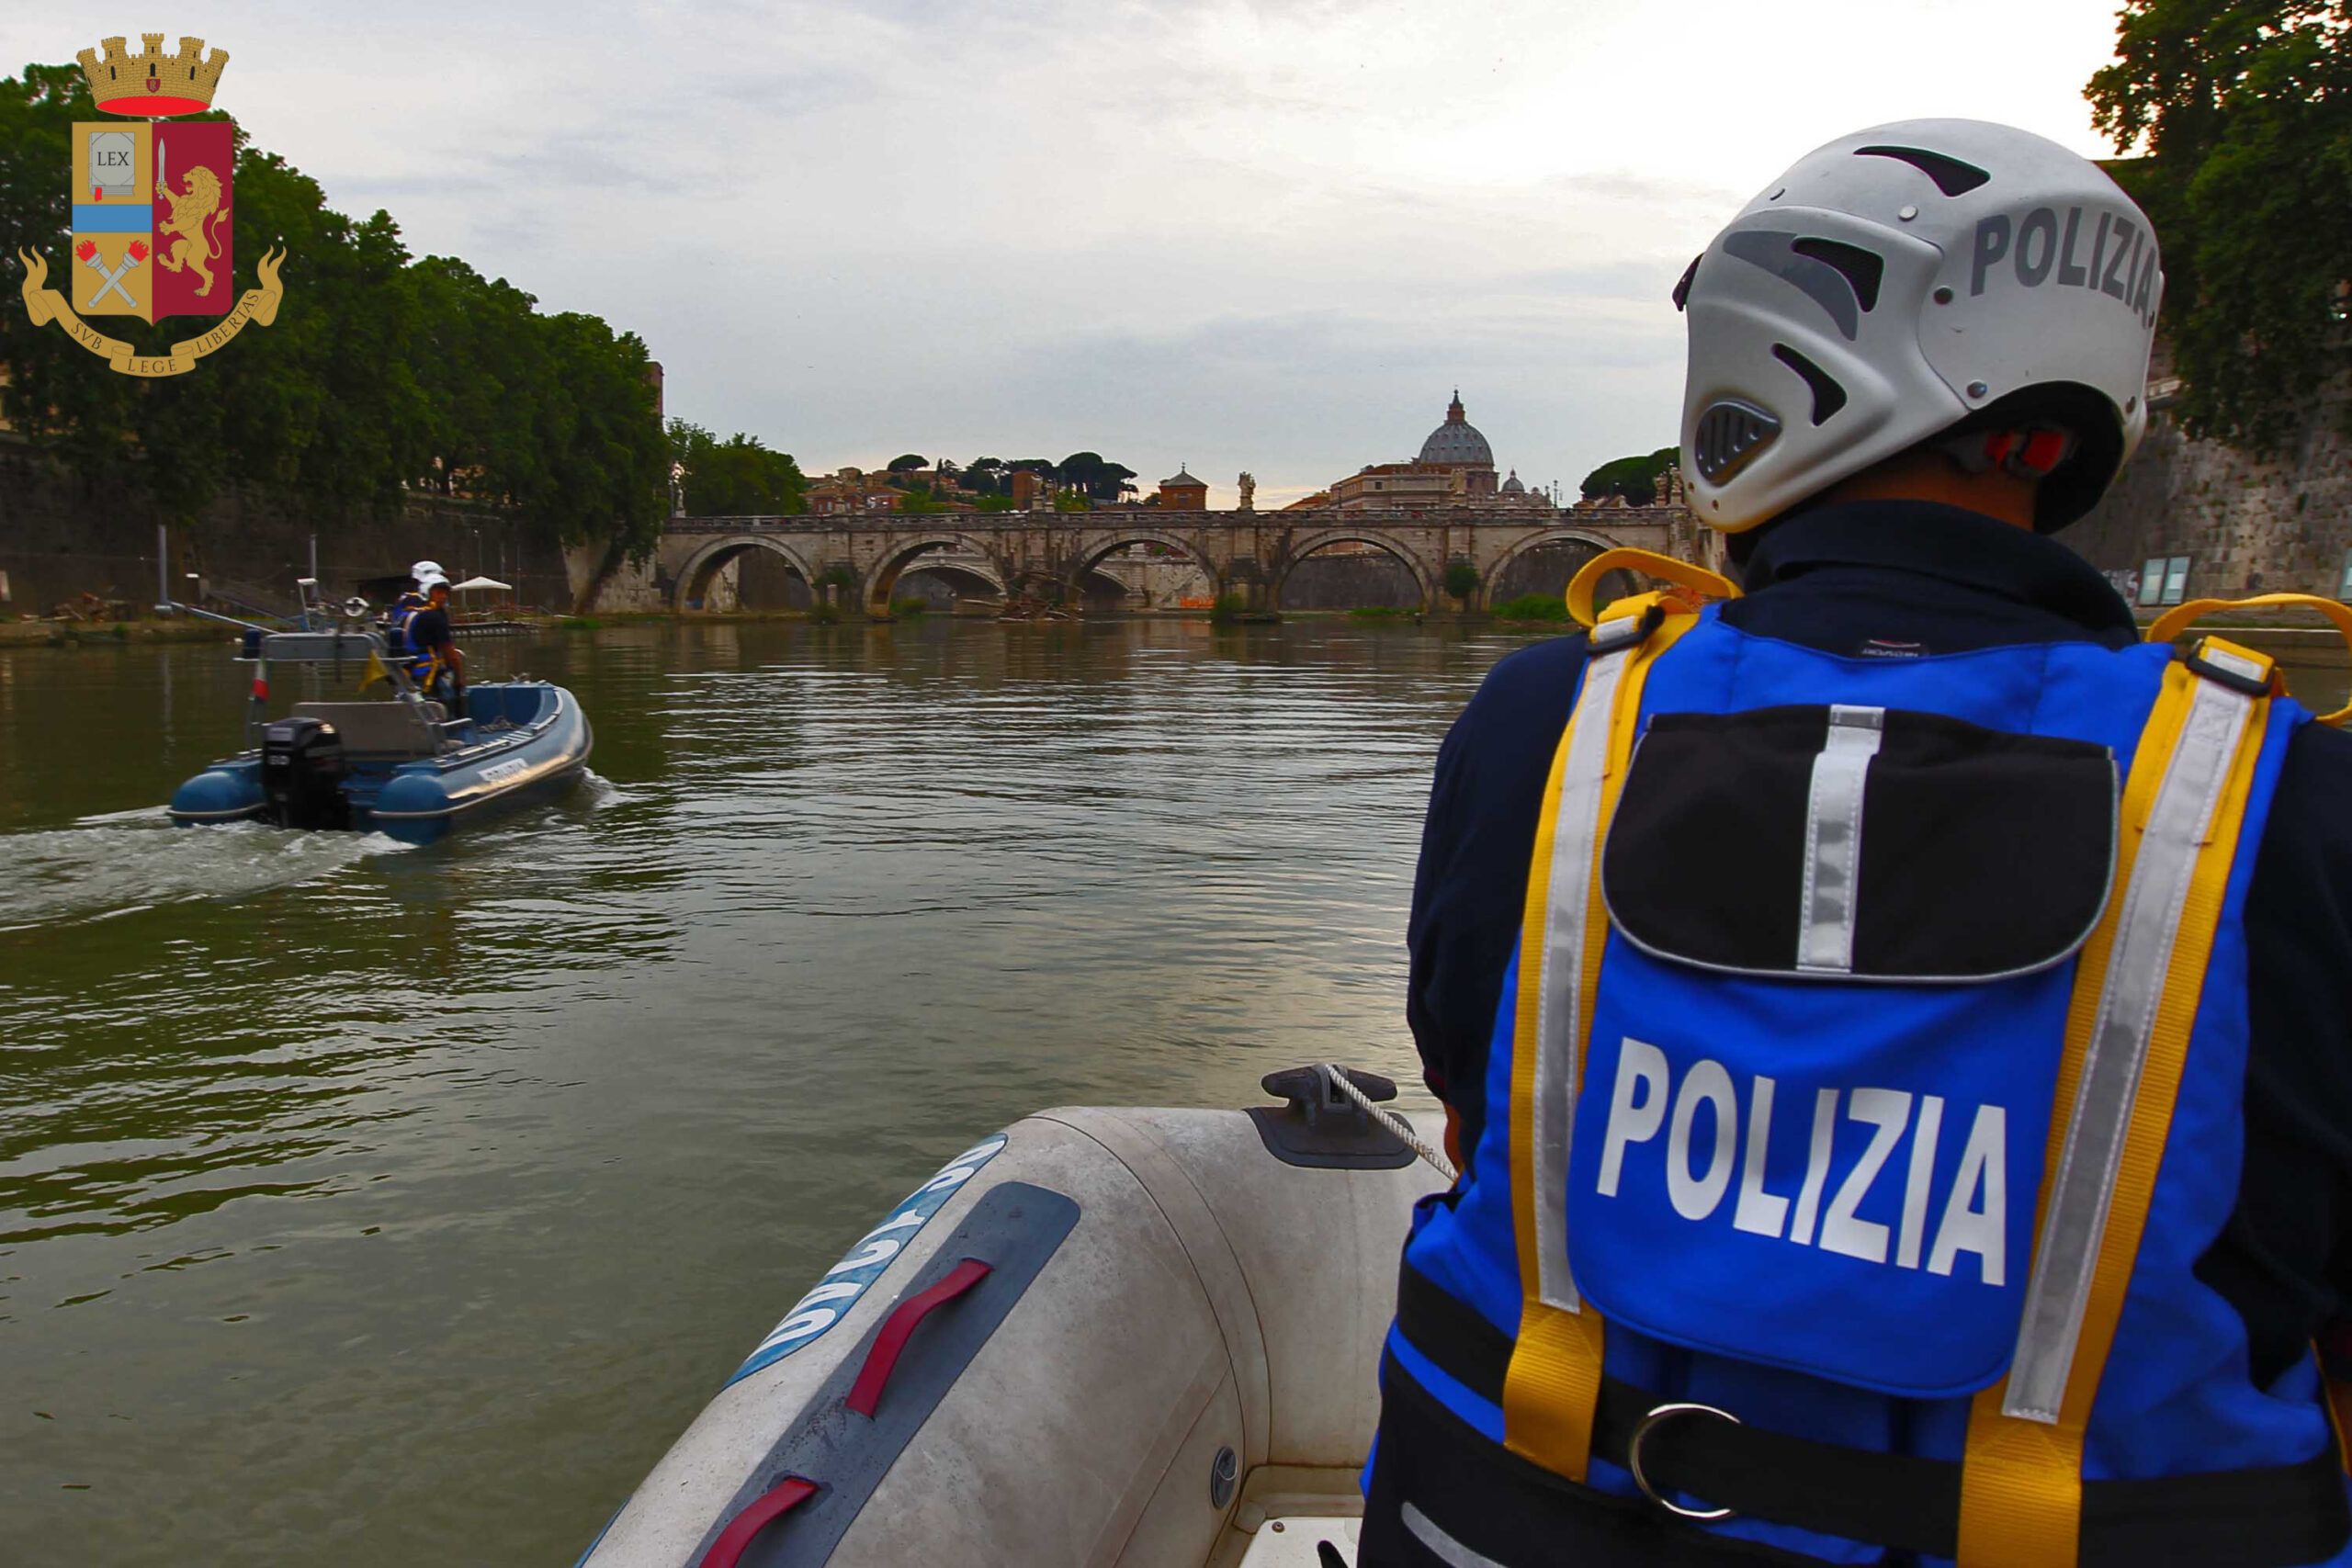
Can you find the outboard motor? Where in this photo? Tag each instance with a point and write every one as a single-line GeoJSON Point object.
{"type": "Point", "coordinates": [302, 772]}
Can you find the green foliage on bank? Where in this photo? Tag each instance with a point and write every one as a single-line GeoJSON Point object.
{"type": "Point", "coordinates": [2243, 112]}
{"type": "Point", "coordinates": [1460, 579]}
{"type": "Point", "coordinates": [385, 374]}
{"type": "Point", "coordinates": [1533, 607]}
{"type": "Point", "coordinates": [735, 478]}
{"type": "Point", "coordinates": [1634, 478]}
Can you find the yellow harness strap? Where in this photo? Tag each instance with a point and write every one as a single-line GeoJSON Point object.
{"type": "Point", "coordinates": [1554, 1382]}
{"type": "Point", "coordinates": [2020, 1503]}
{"type": "Point", "coordinates": [2180, 617]}
{"type": "Point", "coordinates": [1697, 584]}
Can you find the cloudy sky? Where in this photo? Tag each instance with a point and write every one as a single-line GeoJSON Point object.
{"type": "Point", "coordinates": [1267, 236]}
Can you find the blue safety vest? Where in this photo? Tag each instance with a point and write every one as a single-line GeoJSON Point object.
{"type": "Point", "coordinates": [404, 610]}
{"type": "Point", "coordinates": [1879, 1083]}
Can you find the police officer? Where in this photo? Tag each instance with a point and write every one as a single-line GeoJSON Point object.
{"type": "Point", "coordinates": [435, 665]}
{"type": "Point", "coordinates": [1896, 1023]}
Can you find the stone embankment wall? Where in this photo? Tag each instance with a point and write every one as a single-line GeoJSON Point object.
{"type": "Point", "coordinates": [61, 538]}
{"type": "Point", "coordinates": [2247, 525]}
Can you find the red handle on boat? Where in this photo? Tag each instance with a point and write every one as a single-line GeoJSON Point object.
{"type": "Point", "coordinates": [880, 1361]}
{"type": "Point", "coordinates": [772, 1504]}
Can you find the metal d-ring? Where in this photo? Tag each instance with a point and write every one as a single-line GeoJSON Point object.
{"type": "Point", "coordinates": [1649, 1423]}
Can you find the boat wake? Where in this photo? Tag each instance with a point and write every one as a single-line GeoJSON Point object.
{"type": "Point", "coordinates": [106, 866]}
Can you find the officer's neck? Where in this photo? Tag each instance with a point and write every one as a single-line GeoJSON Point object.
{"type": "Point", "coordinates": [1931, 476]}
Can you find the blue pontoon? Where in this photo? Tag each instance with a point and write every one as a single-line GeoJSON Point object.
{"type": "Point", "coordinates": [402, 765]}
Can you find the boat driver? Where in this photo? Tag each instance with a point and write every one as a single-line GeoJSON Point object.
{"type": "Point", "coordinates": [1904, 1103]}
{"type": "Point", "coordinates": [435, 665]}
{"type": "Point", "coordinates": [412, 600]}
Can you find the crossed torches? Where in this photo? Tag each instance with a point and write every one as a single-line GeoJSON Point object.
{"type": "Point", "coordinates": [135, 252]}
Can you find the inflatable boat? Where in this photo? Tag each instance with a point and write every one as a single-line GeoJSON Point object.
{"type": "Point", "coordinates": [1101, 1337]}
{"type": "Point", "coordinates": [399, 765]}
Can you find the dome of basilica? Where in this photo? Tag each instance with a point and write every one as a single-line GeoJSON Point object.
{"type": "Point", "coordinates": [1457, 441]}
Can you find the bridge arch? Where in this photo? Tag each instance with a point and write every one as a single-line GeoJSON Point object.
{"type": "Point", "coordinates": [1387, 544]}
{"type": "Point", "coordinates": [1097, 549]}
{"type": "Point", "coordinates": [694, 577]}
{"type": "Point", "coordinates": [902, 553]}
{"type": "Point", "coordinates": [1492, 577]}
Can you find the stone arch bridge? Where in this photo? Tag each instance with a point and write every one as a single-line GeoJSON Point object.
{"type": "Point", "coordinates": [1051, 555]}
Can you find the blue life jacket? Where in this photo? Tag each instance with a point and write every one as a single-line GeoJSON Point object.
{"type": "Point", "coordinates": [1896, 1131]}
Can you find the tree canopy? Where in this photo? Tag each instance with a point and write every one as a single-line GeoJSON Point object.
{"type": "Point", "coordinates": [1634, 478]}
{"type": "Point", "coordinates": [906, 462]}
{"type": "Point", "coordinates": [735, 478]}
{"type": "Point", "coordinates": [383, 376]}
{"type": "Point", "coordinates": [2241, 114]}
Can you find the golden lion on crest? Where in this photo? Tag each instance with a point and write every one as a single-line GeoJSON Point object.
{"type": "Point", "coordinates": [192, 210]}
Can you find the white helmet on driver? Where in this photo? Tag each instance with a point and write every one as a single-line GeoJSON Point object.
{"type": "Point", "coordinates": [426, 568]}
{"type": "Point", "coordinates": [1935, 277]}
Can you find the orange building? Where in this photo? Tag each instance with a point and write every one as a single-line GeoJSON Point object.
{"type": "Point", "coordinates": [1182, 493]}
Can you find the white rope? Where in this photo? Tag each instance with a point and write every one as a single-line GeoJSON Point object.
{"type": "Point", "coordinates": [1389, 1120]}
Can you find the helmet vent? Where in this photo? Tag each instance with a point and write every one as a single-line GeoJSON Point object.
{"type": "Point", "coordinates": [1828, 397]}
{"type": "Point", "coordinates": [1730, 434]}
{"type": "Point", "coordinates": [1951, 176]}
{"type": "Point", "coordinates": [1864, 269]}
{"type": "Point", "coordinates": [1682, 289]}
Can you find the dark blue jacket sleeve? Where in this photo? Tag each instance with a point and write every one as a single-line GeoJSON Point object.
{"type": "Point", "coordinates": [1471, 883]}
{"type": "Point", "coordinates": [2284, 1257]}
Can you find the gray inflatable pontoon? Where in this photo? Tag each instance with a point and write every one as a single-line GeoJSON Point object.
{"type": "Point", "coordinates": [1102, 1337]}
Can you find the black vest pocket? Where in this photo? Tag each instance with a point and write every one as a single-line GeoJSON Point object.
{"type": "Point", "coordinates": [1859, 843]}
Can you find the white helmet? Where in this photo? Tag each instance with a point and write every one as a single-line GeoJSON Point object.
{"type": "Point", "coordinates": [427, 582]}
{"type": "Point", "coordinates": [1907, 280]}
{"type": "Point", "coordinates": [426, 568]}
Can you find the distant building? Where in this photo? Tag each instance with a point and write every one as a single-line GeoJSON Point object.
{"type": "Point", "coordinates": [1182, 493]}
{"type": "Point", "coordinates": [1032, 492]}
{"type": "Point", "coordinates": [850, 492]}
{"type": "Point", "coordinates": [1455, 467]}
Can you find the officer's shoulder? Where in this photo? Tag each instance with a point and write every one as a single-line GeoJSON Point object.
{"type": "Point", "coordinates": [1543, 671]}
{"type": "Point", "coordinates": [2319, 763]}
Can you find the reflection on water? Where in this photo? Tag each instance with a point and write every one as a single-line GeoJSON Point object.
{"type": "Point", "coordinates": [386, 1206]}
{"type": "Point", "coordinates": [371, 1205]}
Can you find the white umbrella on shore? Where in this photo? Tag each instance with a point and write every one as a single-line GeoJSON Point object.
{"type": "Point", "coordinates": [483, 583]}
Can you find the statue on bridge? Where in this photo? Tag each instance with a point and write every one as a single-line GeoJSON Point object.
{"type": "Point", "coordinates": [1249, 483]}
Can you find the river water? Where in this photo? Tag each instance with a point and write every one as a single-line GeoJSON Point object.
{"type": "Point", "coordinates": [377, 1205]}
{"type": "Point", "coordinates": [372, 1205]}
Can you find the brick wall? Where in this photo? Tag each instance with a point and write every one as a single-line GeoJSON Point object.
{"type": "Point", "coordinates": [2246, 525]}
{"type": "Point", "coordinates": [59, 537]}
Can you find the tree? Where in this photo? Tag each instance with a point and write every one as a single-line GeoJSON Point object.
{"type": "Point", "coordinates": [919, 498]}
{"type": "Point", "coordinates": [738, 477]}
{"type": "Point", "coordinates": [1460, 579]}
{"type": "Point", "coordinates": [2244, 114]}
{"type": "Point", "coordinates": [908, 462]}
{"type": "Point", "coordinates": [985, 476]}
{"type": "Point", "coordinates": [1089, 472]}
{"type": "Point", "coordinates": [1634, 478]}
{"type": "Point", "coordinates": [1070, 500]}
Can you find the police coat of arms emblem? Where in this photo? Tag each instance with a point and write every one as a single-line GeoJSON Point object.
{"type": "Point", "coordinates": [155, 219]}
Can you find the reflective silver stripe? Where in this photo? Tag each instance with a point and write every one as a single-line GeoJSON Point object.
{"type": "Point", "coordinates": [1575, 828]}
{"type": "Point", "coordinates": [2066, 1258]}
{"type": "Point", "coordinates": [1442, 1546]}
{"type": "Point", "coordinates": [1833, 840]}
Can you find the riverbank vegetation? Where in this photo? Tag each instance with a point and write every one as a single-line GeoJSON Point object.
{"type": "Point", "coordinates": [1532, 607]}
{"type": "Point", "coordinates": [385, 374]}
